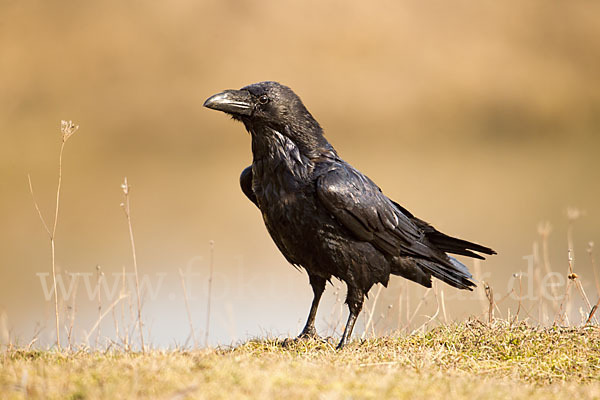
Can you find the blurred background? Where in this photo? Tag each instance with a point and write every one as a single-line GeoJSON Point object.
{"type": "Point", "coordinates": [480, 117]}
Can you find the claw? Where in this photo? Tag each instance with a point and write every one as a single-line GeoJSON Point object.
{"type": "Point", "coordinates": [309, 333]}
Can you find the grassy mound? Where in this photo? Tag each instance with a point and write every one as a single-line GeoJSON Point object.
{"type": "Point", "coordinates": [455, 361]}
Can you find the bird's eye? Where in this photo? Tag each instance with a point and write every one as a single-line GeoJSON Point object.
{"type": "Point", "coordinates": [264, 99]}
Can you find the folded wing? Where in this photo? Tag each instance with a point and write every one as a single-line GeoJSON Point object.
{"type": "Point", "coordinates": [360, 206]}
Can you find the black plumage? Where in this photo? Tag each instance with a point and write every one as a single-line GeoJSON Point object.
{"type": "Point", "coordinates": [326, 216]}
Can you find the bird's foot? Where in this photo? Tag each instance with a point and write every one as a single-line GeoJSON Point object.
{"type": "Point", "coordinates": [309, 333]}
{"type": "Point", "coordinates": [343, 342]}
{"type": "Point", "coordinates": [306, 336]}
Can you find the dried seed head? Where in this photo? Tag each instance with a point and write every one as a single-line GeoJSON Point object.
{"type": "Point", "coordinates": [544, 228]}
{"type": "Point", "coordinates": [574, 213]}
{"type": "Point", "coordinates": [573, 276]}
{"type": "Point", "coordinates": [68, 128]}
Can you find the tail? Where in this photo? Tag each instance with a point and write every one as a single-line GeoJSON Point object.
{"type": "Point", "coordinates": [420, 270]}
{"type": "Point", "coordinates": [455, 274]}
{"type": "Point", "coordinates": [449, 244]}
{"type": "Point", "coordinates": [443, 266]}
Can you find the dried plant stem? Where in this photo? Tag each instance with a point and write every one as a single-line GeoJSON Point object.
{"type": "Point", "coordinates": [52, 233]}
{"type": "Point", "coordinates": [489, 293]}
{"type": "Point", "coordinates": [437, 311]}
{"type": "Point", "coordinates": [127, 208]}
{"type": "Point", "coordinates": [590, 251]}
{"type": "Point", "coordinates": [334, 318]}
{"type": "Point", "coordinates": [60, 155]}
{"type": "Point", "coordinates": [126, 327]}
{"type": "Point", "coordinates": [187, 308]}
{"type": "Point", "coordinates": [582, 292]}
{"type": "Point", "coordinates": [443, 302]}
{"type": "Point", "coordinates": [407, 304]}
{"type": "Point", "coordinates": [370, 320]}
{"type": "Point", "coordinates": [116, 323]}
{"type": "Point", "coordinates": [520, 298]}
{"type": "Point", "coordinates": [537, 277]}
{"type": "Point", "coordinates": [572, 215]}
{"type": "Point", "coordinates": [418, 308]}
{"type": "Point", "coordinates": [57, 318]}
{"type": "Point", "coordinates": [480, 289]}
{"type": "Point", "coordinates": [99, 276]}
{"type": "Point", "coordinates": [565, 304]}
{"type": "Point", "coordinates": [210, 278]}
{"type": "Point", "coordinates": [73, 311]}
{"type": "Point", "coordinates": [562, 317]}
{"type": "Point", "coordinates": [101, 317]}
{"type": "Point", "coordinates": [52, 241]}
{"type": "Point", "coordinates": [592, 312]}
{"type": "Point", "coordinates": [400, 309]}
{"type": "Point", "coordinates": [544, 230]}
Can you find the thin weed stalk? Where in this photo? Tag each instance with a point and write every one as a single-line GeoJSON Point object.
{"type": "Point", "coordinates": [127, 208]}
{"type": "Point", "coordinates": [544, 231]}
{"type": "Point", "coordinates": [417, 309]}
{"type": "Point", "coordinates": [437, 311]}
{"type": "Point", "coordinates": [443, 303]}
{"type": "Point", "coordinates": [210, 279]}
{"type": "Point", "coordinates": [520, 276]}
{"type": "Point", "coordinates": [563, 311]}
{"type": "Point", "coordinates": [187, 308]}
{"type": "Point", "coordinates": [370, 320]}
{"type": "Point", "coordinates": [101, 317]}
{"type": "Point", "coordinates": [489, 293]}
{"type": "Point", "coordinates": [126, 327]}
{"type": "Point", "coordinates": [99, 275]}
{"type": "Point", "coordinates": [75, 283]}
{"type": "Point", "coordinates": [68, 128]}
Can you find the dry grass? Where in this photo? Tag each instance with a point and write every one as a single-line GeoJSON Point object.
{"type": "Point", "coordinates": [452, 361]}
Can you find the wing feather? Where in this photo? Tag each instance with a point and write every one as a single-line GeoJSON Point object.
{"type": "Point", "coordinates": [361, 207]}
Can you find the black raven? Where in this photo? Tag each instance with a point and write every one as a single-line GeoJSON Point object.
{"type": "Point", "coordinates": [326, 216]}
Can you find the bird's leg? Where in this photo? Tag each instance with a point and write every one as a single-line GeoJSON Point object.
{"type": "Point", "coordinates": [318, 286]}
{"type": "Point", "coordinates": [354, 300]}
{"type": "Point", "coordinates": [348, 330]}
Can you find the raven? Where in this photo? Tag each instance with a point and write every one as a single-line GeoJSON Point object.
{"type": "Point", "coordinates": [326, 216]}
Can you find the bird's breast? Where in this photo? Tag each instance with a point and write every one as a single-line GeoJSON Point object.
{"type": "Point", "coordinates": [288, 206]}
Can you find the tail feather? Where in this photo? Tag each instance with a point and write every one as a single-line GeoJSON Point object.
{"type": "Point", "coordinates": [453, 245]}
{"type": "Point", "coordinates": [458, 276]}
{"type": "Point", "coordinates": [447, 244]}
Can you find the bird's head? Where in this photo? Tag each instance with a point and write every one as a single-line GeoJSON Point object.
{"type": "Point", "coordinates": [273, 106]}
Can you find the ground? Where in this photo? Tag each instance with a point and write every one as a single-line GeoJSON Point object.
{"type": "Point", "coordinates": [464, 360]}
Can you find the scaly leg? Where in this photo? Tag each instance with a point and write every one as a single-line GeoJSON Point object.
{"type": "Point", "coordinates": [354, 300]}
{"type": "Point", "coordinates": [318, 286]}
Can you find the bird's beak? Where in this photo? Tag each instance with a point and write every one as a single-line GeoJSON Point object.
{"type": "Point", "coordinates": [235, 102]}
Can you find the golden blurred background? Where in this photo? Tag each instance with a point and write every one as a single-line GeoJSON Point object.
{"type": "Point", "coordinates": [480, 117]}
